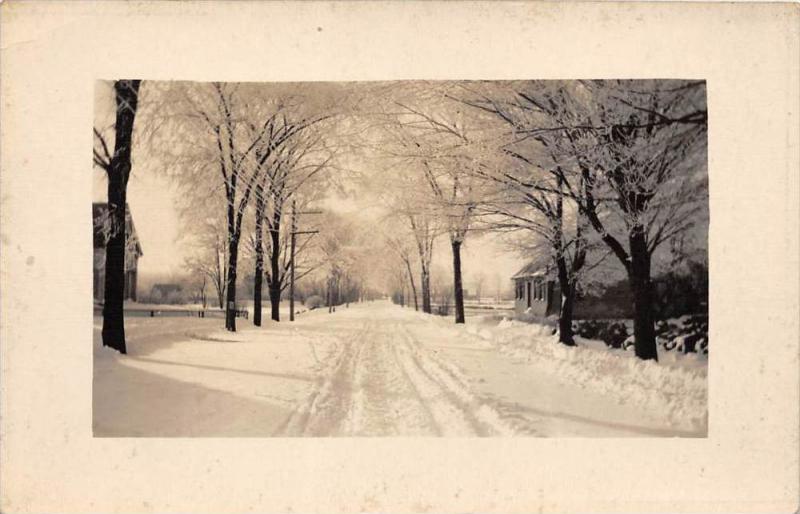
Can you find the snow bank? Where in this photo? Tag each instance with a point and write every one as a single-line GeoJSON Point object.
{"type": "Point", "coordinates": [676, 387]}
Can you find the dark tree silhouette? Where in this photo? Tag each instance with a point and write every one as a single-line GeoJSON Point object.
{"type": "Point", "coordinates": [118, 169]}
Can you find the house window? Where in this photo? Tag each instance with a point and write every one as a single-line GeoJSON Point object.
{"type": "Point", "coordinates": [529, 293]}
{"type": "Point", "coordinates": [539, 289]}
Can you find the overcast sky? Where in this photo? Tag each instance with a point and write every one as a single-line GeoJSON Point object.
{"type": "Point", "coordinates": [152, 202]}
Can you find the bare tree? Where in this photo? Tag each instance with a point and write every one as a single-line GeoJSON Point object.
{"type": "Point", "coordinates": [626, 153]}
{"type": "Point", "coordinates": [424, 231]}
{"type": "Point", "coordinates": [338, 253]}
{"type": "Point", "coordinates": [532, 180]}
{"type": "Point", "coordinates": [402, 251]}
{"type": "Point", "coordinates": [118, 169]}
{"type": "Point", "coordinates": [209, 256]}
{"type": "Point", "coordinates": [432, 136]}
{"type": "Point", "coordinates": [299, 159]}
{"type": "Point", "coordinates": [653, 158]}
{"type": "Point", "coordinates": [234, 131]}
{"type": "Point", "coordinates": [400, 194]}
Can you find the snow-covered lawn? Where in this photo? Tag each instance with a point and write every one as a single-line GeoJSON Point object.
{"type": "Point", "coordinates": [377, 369]}
{"type": "Point", "coordinates": [674, 389]}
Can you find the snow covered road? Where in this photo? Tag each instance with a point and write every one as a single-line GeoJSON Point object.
{"type": "Point", "coordinates": [384, 383]}
{"type": "Point", "coordinates": [369, 370]}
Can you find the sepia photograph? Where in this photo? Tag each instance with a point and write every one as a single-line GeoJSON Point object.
{"type": "Point", "coordinates": [399, 257]}
{"type": "Point", "coordinates": [402, 258]}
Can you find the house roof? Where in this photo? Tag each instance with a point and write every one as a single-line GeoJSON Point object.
{"type": "Point", "coordinates": [535, 268]}
{"type": "Point", "coordinates": [99, 224]}
{"type": "Point", "coordinates": [167, 288]}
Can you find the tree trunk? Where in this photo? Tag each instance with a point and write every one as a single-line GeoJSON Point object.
{"type": "Point", "coordinates": [458, 290]}
{"type": "Point", "coordinates": [642, 288]}
{"type": "Point", "coordinates": [219, 274]}
{"type": "Point", "coordinates": [127, 97]}
{"type": "Point", "coordinates": [335, 293]}
{"type": "Point", "coordinates": [567, 287]}
{"type": "Point", "coordinates": [257, 286]}
{"type": "Point", "coordinates": [413, 285]}
{"type": "Point", "coordinates": [259, 272]}
{"type": "Point", "coordinates": [292, 235]}
{"type": "Point", "coordinates": [276, 280]}
{"type": "Point", "coordinates": [220, 297]}
{"type": "Point", "coordinates": [275, 301]}
{"type": "Point", "coordinates": [113, 317]}
{"type": "Point", "coordinates": [426, 290]}
{"type": "Point", "coordinates": [567, 279]}
{"type": "Point", "coordinates": [230, 307]}
{"type": "Point", "coordinates": [565, 335]}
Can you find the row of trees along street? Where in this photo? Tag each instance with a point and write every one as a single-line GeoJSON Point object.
{"type": "Point", "coordinates": [576, 172]}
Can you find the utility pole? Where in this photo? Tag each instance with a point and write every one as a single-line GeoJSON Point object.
{"type": "Point", "coordinates": [293, 245]}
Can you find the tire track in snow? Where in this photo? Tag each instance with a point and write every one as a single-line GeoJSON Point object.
{"type": "Point", "coordinates": [435, 427]}
{"type": "Point", "coordinates": [320, 407]}
{"type": "Point", "coordinates": [383, 382]}
{"type": "Point", "coordinates": [485, 420]}
{"type": "Point", "coordinates": [333, 405]}
{"type": "Point", "coordinates": [449, 416]}
{"type": "Point", "coordinates": [367, 393]}
{"type": "Point", "coordinates": [384, 400]}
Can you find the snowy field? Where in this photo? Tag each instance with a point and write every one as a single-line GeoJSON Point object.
{"type": "Point", "coordinates": [377, 369]}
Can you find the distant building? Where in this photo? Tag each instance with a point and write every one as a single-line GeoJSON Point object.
{"type": "Point", "coordinates": [166, 293]}
{"type": "Point", "coordinates": [537, 292]}
{"type": "Point", "coordinates": [538, 295]}
{"type": "Point", "coordinates": [133, 250]}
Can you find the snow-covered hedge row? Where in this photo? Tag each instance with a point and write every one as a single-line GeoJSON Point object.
{"type": "Point", "coordinates": [676, 386]}
{"type": "Point", "coordinates": [686, 334]}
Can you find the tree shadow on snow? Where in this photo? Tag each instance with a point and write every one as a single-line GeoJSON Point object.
{"type": "Point", "coordinates": [129, 402]}
{"type": "Point", "coordinates": [289, 376]}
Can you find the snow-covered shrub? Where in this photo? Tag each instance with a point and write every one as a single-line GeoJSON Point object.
{"type": "Point", "coordinates": [682, 334]}
{"type": "Point", "coordinates": [588, 329]}
{"type": "Point", "coordinates": [666, 342]}
{"type": "Point", "coordinates": [313, 302]}
{"type": "Point", "coordinates": [687, 343]}
{"type": "Point", "coordinates": [613, 334]}
{"type": "Point", "coordinates": [628, 343]}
